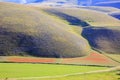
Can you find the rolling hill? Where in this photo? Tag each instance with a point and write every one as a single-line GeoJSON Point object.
{"type": "Point", "coordinates": [58, 42]}
{"type": "Point", "coordinates": [103, 9]}
{"type": "Point", "coordinates": [26, 30]}
{"type": "Point", "coordinates": [56, 32]}
{"type": "Point", "coordinates": [101, 30]}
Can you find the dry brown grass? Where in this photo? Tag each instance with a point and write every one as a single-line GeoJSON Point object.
{"type": "Point", "coordinates": [27, 30]}
{"type": "Point", "coordinates": [94, 18]}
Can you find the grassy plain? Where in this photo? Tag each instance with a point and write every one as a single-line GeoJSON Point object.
{"type": "Point", "coordinates": [96, 76]}
{"type": "Point", "coordinates": [16, 70]}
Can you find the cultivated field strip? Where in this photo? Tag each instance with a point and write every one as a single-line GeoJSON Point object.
{"type": "Point", "coordinates": [58, 76]}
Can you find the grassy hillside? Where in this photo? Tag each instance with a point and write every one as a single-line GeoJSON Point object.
{"type": "Point", "coordinates": [101, 30]}
{"type": "Point", "coordinates": [56, 32]}
{"type": "Point", "coordinates": [92, 17]}
{"type": "Point", "coordinates": [103, 9]}
{"type": "Point", "coordinates": [25, 30]}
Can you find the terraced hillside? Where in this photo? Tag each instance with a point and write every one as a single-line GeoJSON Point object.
{"type": "Point", "coordinates": [25, 30]}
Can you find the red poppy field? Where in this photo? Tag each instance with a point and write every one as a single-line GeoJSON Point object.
{"type": "Point", "coordinates": [92, 59]}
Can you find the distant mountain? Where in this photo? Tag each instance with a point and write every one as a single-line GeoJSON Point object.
{"type": "Point", "coordinates": [75, 2]}
{"type": "Point", "coordinates": [110, 3]}
{"type": "Point", "coordinates": [21, 1]}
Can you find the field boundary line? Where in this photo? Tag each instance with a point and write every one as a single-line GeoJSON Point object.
{"type": "Point", "coordinates": [58, 76]}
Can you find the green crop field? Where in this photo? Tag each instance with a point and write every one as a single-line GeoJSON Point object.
{"type": "Point", "coordinates": [24, 70]}
{"type": "Point", "coordinates": [96, 76]}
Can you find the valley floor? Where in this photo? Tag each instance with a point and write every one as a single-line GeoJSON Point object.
{"type": "Point", "coordinates": [25, 70]}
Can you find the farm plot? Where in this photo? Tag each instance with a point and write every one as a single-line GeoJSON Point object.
{"type": "Point", "coordinates": [93, 59]}
{"type": "Point", "coordinates": [115, 57]}
{"type": "Point", "coordinates": [96, 76]}
{"type": "Point", "coordinates": [25, 70]}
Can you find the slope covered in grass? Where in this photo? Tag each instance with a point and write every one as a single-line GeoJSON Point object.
{"type": "Point", "coordinates": [103, 9]}
{"type": "Point", "coordinates": [101, 30]}
{"type": "Point", "coordinates": [92, 17]}
{"type": "Point", "coordinates": [104, 39]}
{"type": "Point", "coordinates": [56, 32]}
{"type": "Point", "coordinates": [25, 30]}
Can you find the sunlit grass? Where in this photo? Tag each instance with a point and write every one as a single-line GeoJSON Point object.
{"type": "Point", "coordinates": [16, 70]}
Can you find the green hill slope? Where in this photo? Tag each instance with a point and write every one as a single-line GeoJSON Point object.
{"type": "Point", "coordinates": [101, 30]}
{"type": "Point", "coordinates": [92, 17]}
{"type": "Point", "coordinates": [25, 30]}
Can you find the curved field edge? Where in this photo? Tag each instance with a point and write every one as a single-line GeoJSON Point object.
{"type": "Point", "coordinates": [104, 38]}
{"type": "Point", "coordinates": [94, 18]}
{"type": "Point", "coordinates": [108, 74]}
{"type": "Point", "coordinates": [93, 76]}
{"type": "Point", "coordinates": [115, 57]}
{"type": "Point", "coordinates": [93, 59]}
{"type": "Point", "coordinates": [16, 70]}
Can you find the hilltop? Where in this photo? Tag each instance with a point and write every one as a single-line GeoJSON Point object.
{"type": "Point", "coordinates": [56, 32]}
{"type": "Point", "coordinates": [26, 30]}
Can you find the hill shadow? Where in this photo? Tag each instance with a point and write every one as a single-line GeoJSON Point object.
{"type": "Point", "coordinates": [71, 19]}
{"type": "Point", "coordinates": [21, 44]}
{"type": "Point", "coordinates": [116, 16]}
{"type": "Point", "coordinates": [15, 43]}
{"type": "Point", "coordinates": [109, 40]}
